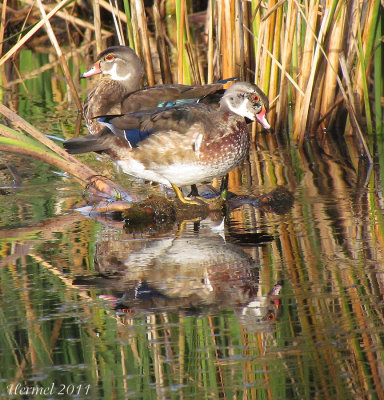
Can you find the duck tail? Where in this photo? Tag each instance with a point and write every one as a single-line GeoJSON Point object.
{"type": "Point", "coordinates": [90, 143]}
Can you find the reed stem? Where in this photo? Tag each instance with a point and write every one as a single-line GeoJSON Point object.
{"type": "Point", "coordinates": [291, 47]}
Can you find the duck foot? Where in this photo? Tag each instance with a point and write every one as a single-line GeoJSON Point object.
{"type": "Point", "coordinates": [196, 201]}
{"type": "Point", "coordinates": [194, 191]}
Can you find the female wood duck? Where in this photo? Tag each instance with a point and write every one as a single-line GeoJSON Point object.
{"type": "Point", "coordinates": [117, 92]}
{"type": "Point", "coordinates": [184, 144]}
{"type": "Point", "coordinates": [122, 73]}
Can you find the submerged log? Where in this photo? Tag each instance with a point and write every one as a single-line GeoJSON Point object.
{"type": "Point", "coordinates": [160, 208]}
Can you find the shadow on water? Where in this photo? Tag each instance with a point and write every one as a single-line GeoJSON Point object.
{"type": "Point", "coordinates": [279, 305]}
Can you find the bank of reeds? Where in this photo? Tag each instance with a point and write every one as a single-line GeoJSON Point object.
{"type": "Point", "coordinates": [320, 61]}
{"type": "Point", "coordinates": [328, 274]}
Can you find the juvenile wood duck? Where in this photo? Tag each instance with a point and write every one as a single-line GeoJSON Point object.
{"type": "Point", "coordinates": [117, 92]}
{"type": "Point", "coordinates": [184, 144]}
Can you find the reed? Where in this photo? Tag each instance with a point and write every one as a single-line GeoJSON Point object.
{"type": "Point", "coordinates": [97, 24]}
{"type": "Point", "coordinates": [317, 242]}
{"type": "Point", "coordinates": [378, 69]}
{"type": "Point", "coordinates": [289, 48]}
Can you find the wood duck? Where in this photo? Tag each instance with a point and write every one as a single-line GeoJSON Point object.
{"type": "Point", "coordinates": [183, 144]}
{"type": "Point", "coordinates": [121, 73]}
{"type": "Point", "coordinates": [117, 92]}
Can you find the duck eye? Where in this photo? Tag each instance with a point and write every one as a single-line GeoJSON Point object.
{"type": "Point", "coordinates": [270, 316]}
{"type": "Point", "coordinates": [109, 57]}
{"type": "Point", "coordinates": [255, 97]}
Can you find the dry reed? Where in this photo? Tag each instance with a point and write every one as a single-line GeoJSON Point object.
{"type": "Point", "coordinates": [314, 55]}
{"type": "Point", "coordinates": [289, 48]}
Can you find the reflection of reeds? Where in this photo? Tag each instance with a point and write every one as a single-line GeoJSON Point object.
{"type": "Point", "coordinates": [326, 251]}
{"type": "Point", "coordinates": [328, 338]}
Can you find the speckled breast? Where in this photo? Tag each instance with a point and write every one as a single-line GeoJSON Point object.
{"type": "Point", "coordinates": [228, 149]}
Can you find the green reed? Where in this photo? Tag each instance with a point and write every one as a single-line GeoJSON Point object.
{"type": "Point", "coordinates": [209, 356]}
{"type": "Point", "coordinates": [285, 47]}
{"type": "Point", "coordinates": [197, 359]}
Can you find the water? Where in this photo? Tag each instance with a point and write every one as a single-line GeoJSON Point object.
{"type": "Point", "coordinates": [262, 304]}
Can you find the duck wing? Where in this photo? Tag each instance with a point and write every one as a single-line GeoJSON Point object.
{"type": "Point", "coordinates": [130, 130]}
{"type": "Point", "coordinates": [170, 95]}
{"type": "Point", "coordinates": [140, 125]}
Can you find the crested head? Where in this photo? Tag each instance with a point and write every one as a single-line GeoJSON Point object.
{"type": "Point", "coordinates": [119, 63]}
{"type": "Point", "coordinates": [247, 100]}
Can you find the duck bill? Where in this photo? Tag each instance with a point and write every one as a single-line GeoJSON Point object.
{"type": "Point", "coordinates": [263, 119]}
{"type": "Point", "coordinates": [93, 71]}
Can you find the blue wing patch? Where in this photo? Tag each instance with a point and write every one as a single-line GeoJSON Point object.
{"type": "Point", "coordinates": [134, 136]}
{"type": "Point", "coordinates": [227, 80]}
{"type": "Point", "coordinates": [166, 104]}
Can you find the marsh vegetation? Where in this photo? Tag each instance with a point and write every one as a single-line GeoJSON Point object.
{"type": "Point", "coordinates": [167, 309]}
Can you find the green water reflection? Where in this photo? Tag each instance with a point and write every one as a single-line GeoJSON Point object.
{"type": "Point", "coordinates": [101, 310]}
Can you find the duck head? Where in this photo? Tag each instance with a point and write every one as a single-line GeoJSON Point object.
{"type": "Point", "coordinates": [248, 100]}
{"type": "Point", "coordinates": [119, 63]}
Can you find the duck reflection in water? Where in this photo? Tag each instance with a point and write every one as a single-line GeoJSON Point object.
{"type": "Point", "coordinates": [196, 271]}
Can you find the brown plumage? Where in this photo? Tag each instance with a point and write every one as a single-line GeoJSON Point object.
{"type": "Point", "coordinates": [121, 73]}
{"type": "Point", "coordinates": [180, 145]}
{"type": "Point", "coordinates": [118, 90]}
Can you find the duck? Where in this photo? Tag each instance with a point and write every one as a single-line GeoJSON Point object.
{"type": "Point", "coordinates": [181, 145]}
{"type": "Point", "coordinates": [121, 73]}
{"type": "Point", "coordinates": [120, 89]}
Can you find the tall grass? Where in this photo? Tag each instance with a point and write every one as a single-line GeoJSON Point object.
{"type": "Point", "coordinates": [291, 49]}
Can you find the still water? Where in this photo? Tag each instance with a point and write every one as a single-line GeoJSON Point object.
{"type": "Point", "coordinates": [254, 304]}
